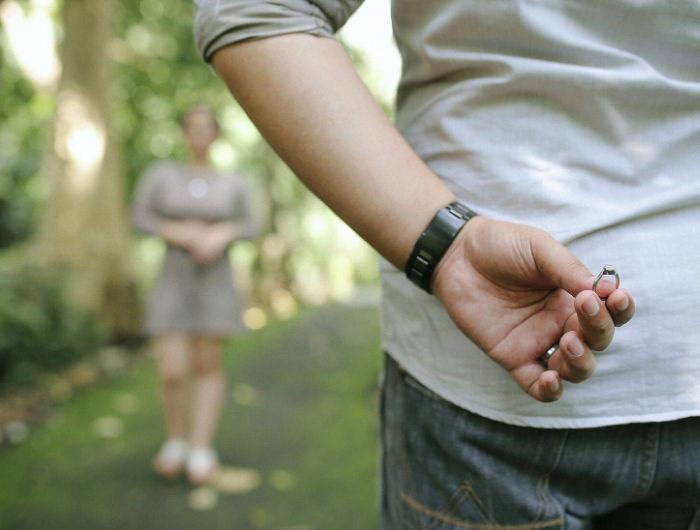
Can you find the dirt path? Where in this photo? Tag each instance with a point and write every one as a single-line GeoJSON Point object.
{"type": "Point", "coordinates": [299, 442]}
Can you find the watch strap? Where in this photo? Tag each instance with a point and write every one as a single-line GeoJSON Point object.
{"type": "Point", "coordinates": [434, 242]}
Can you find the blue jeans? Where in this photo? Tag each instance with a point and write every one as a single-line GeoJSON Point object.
{"type": "Point", "coordinates": [446, 468]}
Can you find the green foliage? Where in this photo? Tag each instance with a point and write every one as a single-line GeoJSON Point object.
{"type": "Point", "coordinates": [158, 75]}
{"type": "Point", "coordinates": [304, 253]}
{"type": "Point", "coordinates": [24, 117]}
{"type": "Point", "coordinates": [39, 329]}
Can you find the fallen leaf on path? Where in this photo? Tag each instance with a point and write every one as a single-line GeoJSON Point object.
{"type": "Point", "coordinates": [281, 480]}
{"type": "Point", "coordinates": [246, 395]}
{"type": "Point", "coordinates": [237, 480]}
{"type": "Point", "coordinates": [108, 427]}
{"type": "Point", "coordinates": [260, 517]}
{"type": "Point", "coordinates": [16, 431]}
{"type": "Point", "coordinates": [204, 498]}
{"type": "Point", "coordinates": [126, 403]}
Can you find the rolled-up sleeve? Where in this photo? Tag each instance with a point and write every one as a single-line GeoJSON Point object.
{"type": "Point", "coordinates": [219, 23]}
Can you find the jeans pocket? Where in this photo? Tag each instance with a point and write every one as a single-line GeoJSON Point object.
{"type": "Point", "coordinates": [462, 509]}
{"type": "Point", "coordinates": [448, 468]}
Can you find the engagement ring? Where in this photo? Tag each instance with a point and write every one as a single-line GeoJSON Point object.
{"type": "Point", "coordinates": [608, 270]}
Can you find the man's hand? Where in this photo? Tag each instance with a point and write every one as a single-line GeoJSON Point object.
{"type": "Point", "coordinates": [515, 291]}
{"type": "Point", "coordinates": [211, 242]}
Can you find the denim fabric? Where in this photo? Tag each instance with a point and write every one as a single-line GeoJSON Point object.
{"type": "Point", "coordinates": [446, 468]}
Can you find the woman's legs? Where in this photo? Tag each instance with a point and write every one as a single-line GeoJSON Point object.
{"type": "Point", "coordinates": [209, 389]}
{"type": "Point", "coordinates": [176, 355]}
{"type": "Point", "coordinates": [172, 353]}
{"type": "Point", "coordinates": [172, 356]}
{"type": "Point", "coordinates": [202, 462]}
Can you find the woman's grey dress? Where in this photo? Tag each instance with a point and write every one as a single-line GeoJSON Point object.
{"type": "Point", "coordinates": [187, 297]}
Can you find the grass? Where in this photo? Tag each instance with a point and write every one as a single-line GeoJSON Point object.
{"type": "Point", "coordinates": [301, 419]}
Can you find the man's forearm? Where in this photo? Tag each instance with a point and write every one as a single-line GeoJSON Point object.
{"type": "Point", "coordinates": [303, 94]}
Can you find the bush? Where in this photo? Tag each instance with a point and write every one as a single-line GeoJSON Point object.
{"type": "Point", "coordinates": [39, 329]}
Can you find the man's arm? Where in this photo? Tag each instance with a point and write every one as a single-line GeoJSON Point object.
{"type": "Point", "coordinates": [303, 94]}
{"type": "Point", "coordinates": [305, 97]}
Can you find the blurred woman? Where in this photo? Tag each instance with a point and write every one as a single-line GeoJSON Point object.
{"type": "Point", "coordinates": [198, 212]}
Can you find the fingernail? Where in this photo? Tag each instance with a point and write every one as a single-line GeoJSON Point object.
{"type": "Point", "coordinates": [606, 285]}
{"type": "Point", "coordinates": [590, 306]}
{"type": "Point", "coordinates": [575, 347]}
{"type": "Point", "coordinates": [554, 385]}
{"type": "Point", "coordinates": [622, 304]}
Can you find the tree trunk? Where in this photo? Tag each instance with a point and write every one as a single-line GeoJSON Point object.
{"type": "Point", "coordinates": [84, 228]}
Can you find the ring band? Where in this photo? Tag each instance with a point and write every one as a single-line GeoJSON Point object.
{"type": "Point", "coordinates": [608, 270]}
{"type": "Point", "coordinates": [548, 354]}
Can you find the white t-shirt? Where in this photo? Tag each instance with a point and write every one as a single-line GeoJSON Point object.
{"type": "Point", "coordinates": [580, 117]}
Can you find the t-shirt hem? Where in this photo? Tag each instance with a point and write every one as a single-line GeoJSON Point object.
{"type": "Point", "coordinates": [544, 422]}
{"type": "Point", "coordinates": [548, 422]}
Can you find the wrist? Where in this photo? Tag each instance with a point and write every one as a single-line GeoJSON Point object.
{"type": "Point", "coordinates": [456, 254]}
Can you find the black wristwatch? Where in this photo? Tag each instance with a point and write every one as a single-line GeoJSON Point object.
{"type": "Point", "coordinates": [434, 242]}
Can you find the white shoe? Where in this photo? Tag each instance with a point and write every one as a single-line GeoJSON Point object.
{"type": "Point", "coordinates": [202, 465]}
{"type": "Point", "coordinates": [171, 457]}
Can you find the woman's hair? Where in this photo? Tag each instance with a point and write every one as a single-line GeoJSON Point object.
{"type": "Point", "coordinates": [202, 109]}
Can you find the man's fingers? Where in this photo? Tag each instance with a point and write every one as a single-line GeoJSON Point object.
{"type": "Point", "coordinates": [621, 306]}
{"type": "Point", "coordinates": [543, 385]}
{"type": "Point", "coordinates": [547, 387]}
{"type": "Point", "coordinates": [574, 360]}
{"type": "Point", "coordinates": [605, 287]}
{"type": "Point", "coordinates": [559, 265]}
{"type": "Point", "coordinates": [596, 327]}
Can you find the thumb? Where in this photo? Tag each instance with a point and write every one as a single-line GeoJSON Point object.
{"type": "Point", "coordinates": [558, 265]}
